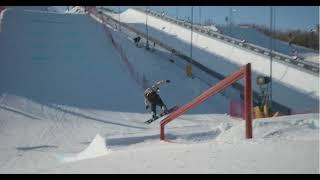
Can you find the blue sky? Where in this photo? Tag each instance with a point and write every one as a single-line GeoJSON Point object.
{"type": "Point", "coordinates": [286, 17]}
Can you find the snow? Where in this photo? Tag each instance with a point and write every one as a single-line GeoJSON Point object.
{"type": "Point", "coordinates": [96, 148]}
{"type": "Point", "coordinates": [69, 104]}
{"type": "Point", "coordinates": [294, 150]}
{"type": "Point", "coordinates": [226, 58]}
{"type": "Point", "coordinates": [311, 57]}
{"type": "Point", "coordinates": [212, 27]}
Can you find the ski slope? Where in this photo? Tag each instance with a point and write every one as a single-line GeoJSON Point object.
{"type": "Point", "coordinates": [69, 104]}
{"type": "Point", "coordinates": [225, 59]}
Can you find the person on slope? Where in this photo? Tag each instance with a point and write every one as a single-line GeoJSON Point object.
{"type": "Point", "coordinates": [137, 40]}
{"type": "Point", "coordinates": [152, 98]}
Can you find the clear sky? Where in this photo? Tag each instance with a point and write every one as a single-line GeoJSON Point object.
{"type": "Point", "coordinates": [285, 17]}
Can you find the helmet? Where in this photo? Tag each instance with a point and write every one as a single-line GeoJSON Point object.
{"type": "Point", "coordinates": [155, 88]}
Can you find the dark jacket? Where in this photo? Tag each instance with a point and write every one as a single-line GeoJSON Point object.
{"type": "Point", "coordinates": [151, 94]}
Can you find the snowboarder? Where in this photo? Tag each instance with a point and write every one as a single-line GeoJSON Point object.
{"type": "Point", "coordinates": [152, 98]}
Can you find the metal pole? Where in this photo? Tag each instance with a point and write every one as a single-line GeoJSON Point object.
{"type": "Point", "coordinates": [147, 45]}
{"type": "Point", "coordinates": [162, 137]}
{"type": "Point", "coordinates": [230, 18]}
{"type": "Point", "coordinates": [119, 19]}
{"type": "Point", "coordinates": [189, 66]}
{"type": "Point", "coordinates": [248, 100]}
{"type": "Point", "coordinates": [271, 49]}
{"type": "Point", "coordinates": [177, 13]}
{"type": "Point", "coordinates": [200, 15]}
{"type": "Point", "coordinates": [191, 33]}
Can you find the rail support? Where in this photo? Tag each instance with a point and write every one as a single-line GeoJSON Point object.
{"type": "Point", "coordinates": [244, 72]}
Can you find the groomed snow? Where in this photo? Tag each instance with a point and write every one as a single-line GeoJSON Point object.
{"type": "Point", "coordinates": [68, 104]}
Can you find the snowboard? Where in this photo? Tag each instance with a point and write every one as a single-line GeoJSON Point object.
{"type": "Point", "coordinates": [162, 114]}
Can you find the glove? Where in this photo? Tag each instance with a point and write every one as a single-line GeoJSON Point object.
{"type": "Point", "coordinates": [147, 106]}
{"type": "Point", "coordinates": [167, 81]}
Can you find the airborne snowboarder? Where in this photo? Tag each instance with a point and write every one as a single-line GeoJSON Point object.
{"type": "Point", "coordinates": [152, 98]}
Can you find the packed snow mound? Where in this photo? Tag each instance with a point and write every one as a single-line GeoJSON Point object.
{"type": "Point", "coordinates": [294, 127]}
{"type": "Point", "coordinates": [96, 148]}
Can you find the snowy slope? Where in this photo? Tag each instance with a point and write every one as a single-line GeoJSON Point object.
{"type": "Point", "coordinates": [58, 65]}
{"type": "Point", "coordinates": [56, 72]}
{"type": "Point", "coordinates": [52, 97]}
{"type": "Point", "coordinates": [225, 58]}
{"type": "Point", "coordinates": [68, 104]}
{"type": "Point", "coordinates": [281, 145]}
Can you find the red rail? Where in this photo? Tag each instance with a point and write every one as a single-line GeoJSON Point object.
{"type": "Point", "coordinates": [244, 72]}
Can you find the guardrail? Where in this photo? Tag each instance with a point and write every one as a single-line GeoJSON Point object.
{"type": "Point", "coordinates": [276, 106]}
{"type": "Point", "coordinates": [298, 62]}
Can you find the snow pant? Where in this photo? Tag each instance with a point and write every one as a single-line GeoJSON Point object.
{"type": "Point", "coordinates": [153, 105]}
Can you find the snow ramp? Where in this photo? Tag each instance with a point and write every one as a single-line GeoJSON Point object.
{"type": "Point", "coordinates": [96, 148]}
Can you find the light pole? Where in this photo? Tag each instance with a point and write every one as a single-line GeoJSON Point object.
{"type": "Point", "coordinates": [231, 19]}
{"type": "Point", "coordinates": [177, 13]}
{"type": "Point", "coordinates": [191, 32]}
{"type": "Point", "coordinates": [200, 15]}
{"type": "Point", "coordinates": [271, 49]}
{"type": "Point", "coordinates": [189, 67]}
{"type": "Point", "coordinates": [119, 19]}
{"type": "Point", "coordinates": [147, 45]}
